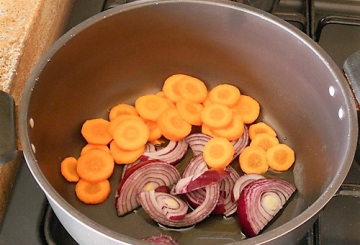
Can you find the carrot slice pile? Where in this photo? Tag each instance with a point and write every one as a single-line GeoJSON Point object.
{"type": "Point", "coordinates": [122, 109]}
{"type": "Point", "coordinates": [190, 111]}
{"type": "Point", "coordinates": [225, 94]}
{"type": "Point", "coordinates": [95, 166]}
{"type": "Point", "coordinates": [89, 147]}
{"type": "Point", "coordinates": [151, 106]}
{"type": "Point", "coordinates": [154, 130]}
{"type": "Point", "coordinates": [248, 108]}
{"type": "Point", "coordinates": [192, 89]}
{"type": "Point", "coordinates": [253, 160]}
{"type": "Point", "coordinates": [68, 169]}
{"type": "Point", "coordinates": [173, 126]}
{"type": "Point", "coordinates": [218, 153]}
{"type": "Point", "coordinates": [280, 157]}
{"type": "Point", "coordinates": [259, 128]}
{"type": "Point", "coordinates": [216, 115]}
{"type": "Point", "coordinates": [92, 193]}
{"type": "Point", "coordinates": [95, 131]}
{"type": "Point", "coordinates": [122, 156]}
{"type": "Point", "coordinates": [131, 134]}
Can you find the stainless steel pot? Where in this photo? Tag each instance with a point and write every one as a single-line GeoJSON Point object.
{"type": "Point", "coordinates": [129, 51]}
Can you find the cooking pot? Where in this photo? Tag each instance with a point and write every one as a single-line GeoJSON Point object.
{"type": "Point", "coordinates": [129, 51]}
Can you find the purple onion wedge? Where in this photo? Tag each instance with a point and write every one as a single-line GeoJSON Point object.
{"type": "Point", "coordinates": [260, 201]}
{"type": "Point", "coordinates": [241, 182]}
{"type": "Point", "coordinates": [161, 239]}
{"type": "Point", "coordinates": [197, 142]}
{"type": "Point", "coordinates": [173, 207]}
{"type": "Point", "coordinates": [144, 176]}
{"type": "Point", "coordinates": [147, 201]}
{"type": "Point", "coordinates": [198, 181]}
{"type": "Point", "coordinates": [172, 153]}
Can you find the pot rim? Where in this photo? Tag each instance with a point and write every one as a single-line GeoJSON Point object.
{"type": "Point", "coordinates": [286, 228]}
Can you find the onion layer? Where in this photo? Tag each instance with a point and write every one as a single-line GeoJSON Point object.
{"type": "Point", "coordinates": [143, 177]}
{"type": "Point", "coordinates": [161, 239]}
{"type": "Point", "coordinates": [241, 182]}
{"type": "Point", "coordinates": [172, 153]}
{"type": "Point", "coordinates": [146, 200]}
{"type": "Point", "coordinates": [260, 201]}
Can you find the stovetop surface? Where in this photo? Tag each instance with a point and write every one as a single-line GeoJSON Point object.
{"type": "Point", "coordinates": [30, 220]}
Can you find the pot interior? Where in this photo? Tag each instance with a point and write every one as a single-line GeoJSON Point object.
{"type": "Point", "coordinates": [130, 51]}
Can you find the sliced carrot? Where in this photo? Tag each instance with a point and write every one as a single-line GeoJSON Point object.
{"type": "Point", "coordinates": [122, 109]}
{"type": "Point", "coordinates": [218, 153]}
{"type": "Point", "coordinates": [151, 106]}
{"type": "Point", "coordinates": [248, 108]}
{"type": "Point", "coordinates": [190, 111]}
{"type": "Point", "coordinates": [192, 89]}
{"type": "Point", "coordinates": [131, 134]}
{"type": "Point", "coordinates": [68, 169]}
{"type": "Point", "coordinates": [154, 130]}
{"type": "Point", "coordinates": [206, 130]}
{"type": "Point", "coordinates": [96, 165]}
{"type": "Point", "coordinates": [89, 147]}
{"type": "Point", "coordinates": [280, 157]}
{"type": "Point", "coordinates": [114, 123]}
{"type": "Point", "coordinates": [92, 193]}
{"type": "Point", "coordinates": [253, 160]}
{"type": "Point", "coordinates": [225, 94]}
{"type": "Point", "coordinates": [95, 131]}
{"type": "Point", "coordinates": [264, 140]}
{"type": "Point", "coordinates": [207, 101]}
{"type": "Point", "coordinates": [216, 115]}
{"type": "Point", "coordinates": [259, 128]}
{"type": "Point", "coordinates": [173, 126]}
{"type": "Point", "coordinates": [233, 131]}
{"type": "Point", "coordinates": [123, 156]}
{"type": "Point", "coordinates": [170, 87]}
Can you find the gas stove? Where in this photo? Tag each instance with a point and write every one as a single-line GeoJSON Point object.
{"type": "Point", "coordinates": [334, 24]}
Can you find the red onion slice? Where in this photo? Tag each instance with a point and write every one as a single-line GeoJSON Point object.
{"type": "Point", "coordinates": [161, 239]}
{"type": "Point", "coordinates": [241, 182]}
{"type": "Point", "coordinates": [260, 201]}
{"type": "Point", "coordinates": [172, 153]}
{"type": "Point", "coordinates": [146, 176]}
{"type": "Point", "coordinates": [197, 215]}
{"type": "Point", "coordinates": [241, 143]}
{"type": "Point", "coordinates": [200, 180]}
{"type": "Point", "coordinates": [197, 142]}
{"type": "Point", "coordinates": [171, 206]}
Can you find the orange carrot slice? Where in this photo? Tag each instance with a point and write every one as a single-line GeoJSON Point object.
{"type": "Point", "coordinates": [248, 108]}
{"type": "Point", "coordinates": [190, 111]}
{"type": "Point", "coordinates": [154, 130]}
{"type": "Point", "coordinates": [218, 153]}
{"type": "Point", "coordinates": [122, 109]}
{"type": "Point", "coordinates": [259, 128]}
{"type": "Point", "coordinates": [225, 94]}
{"type": "Point", "coordinates": [253, 160]}
{"type": "Point", "coordinates": [170, 87]}
{"type": "Point", "coordinates": [264, 140]}
{"type": "Point", "coordinates": [95, 131]}
{"type": "Point", "coordinates": [89, 147]}
{"type": "Point", "coordinates": [206, 130]}
{"type": "Point", "coordinates": [123, 156]}
{"type": "Point", "coordinates": [151, 106]}
{"type": "Point", "coordinates": [114, 123]}
{"type": "Point", "coordinates": [92, 193]}
{"type": "Point", "coordinates": [280, 157]}
{"type": "Point", "coordinates": [233, 131]}
{"type": "Point", "coordinates": [192, 89]}
{"type": "Point", "coordinates": [216, 115]}
{"type": "Point", "coordinates": [131, 134]}
{"type": "Point", "coordinates": [94, 166]}
{"type": "Point", "coordinates": [173, 126]}
{"type": "Point", "coordinates": [68, 169]}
